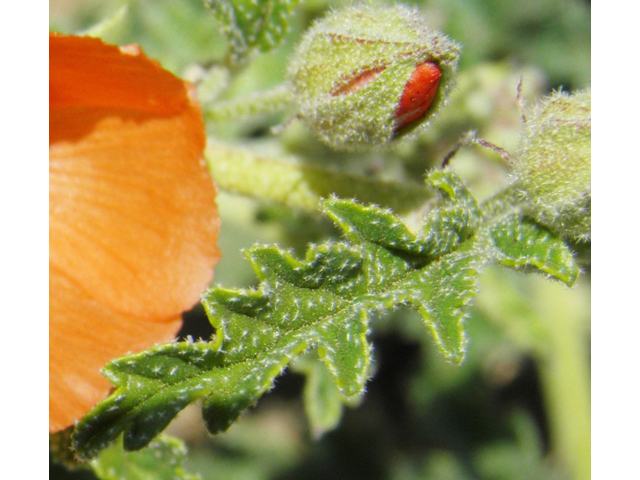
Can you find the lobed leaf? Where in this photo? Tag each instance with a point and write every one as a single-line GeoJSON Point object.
{"type": "Point", "coordinates": [521, 243]}
{"type": "Point", "coordinates": [252, 25]}
{"type": "Point", "coordinates": [323, 302]}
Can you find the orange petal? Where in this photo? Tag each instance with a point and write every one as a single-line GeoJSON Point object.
{"type": "Point", "coordinates": [133, 223]}
{"type": "Point", "coordinates": [86, 72]}
{"type": "Point", "coordinates": [83, 336]}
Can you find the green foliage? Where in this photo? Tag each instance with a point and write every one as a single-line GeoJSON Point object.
{"type": "Point", "coordinates": [324, 302]}
{"type": "Point", "coordinates": [522, 459]}
{"type": "Point", "coordinates": [162, 460]}
{"type": "Point", "coordinates": [251, 25]}
{"type": "Point", "coordinates": [322, 399]}
{"type": "Point", "coordinates": [522, 243]}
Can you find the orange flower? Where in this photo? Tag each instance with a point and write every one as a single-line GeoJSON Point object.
{"type": "Point", "coordinates": [133, 223]}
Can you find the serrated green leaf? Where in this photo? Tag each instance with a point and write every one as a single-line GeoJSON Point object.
{"type": "Point", "coordinates": [442, 292]}
{"type": "Point", "coordinates": [323, 302]}
{"type": "Point", "coordinates": [522, 243]}
{"type": "Point", "coordinates": [253, 25]}
{"type": "Point", "coordinates": [447, 225]}
{"type": "Point", "coordinates": [154, 386]}
{"type": "Point", "coordinates": [161, 460]}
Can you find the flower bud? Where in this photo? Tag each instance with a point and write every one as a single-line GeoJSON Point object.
{"type": "Point", "coordinates": [553, 164]}
{"type": "Point", "coordinates": [365, 75]}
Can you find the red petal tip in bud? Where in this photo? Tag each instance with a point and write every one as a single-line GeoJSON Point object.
{"type": "Point", "coordinates": [357, 82]}
{"type": "Point", "coordinates": [418, 95]}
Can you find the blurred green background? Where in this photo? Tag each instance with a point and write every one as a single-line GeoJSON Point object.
{"type": "Point", "coordinates": [495, 416]}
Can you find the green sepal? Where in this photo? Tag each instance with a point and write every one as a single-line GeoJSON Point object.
{"type": "Point", "coordinates": [524, 244]}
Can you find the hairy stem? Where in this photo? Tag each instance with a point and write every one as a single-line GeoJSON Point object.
{"type": "Point", "coordinates": [292, 183]}
{"type": "Point", "coordinates": [262, 103]}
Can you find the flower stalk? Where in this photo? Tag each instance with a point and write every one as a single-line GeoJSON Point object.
{"type": "Point", "coordinates": [289, 182]}
{"type": "Point", "coordinates": [258, 104]}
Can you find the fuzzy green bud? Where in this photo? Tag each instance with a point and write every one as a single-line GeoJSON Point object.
{"type": "Point", "coordinates": [365, 75]}
{"type": "Point", "coordinates": [553, 164]}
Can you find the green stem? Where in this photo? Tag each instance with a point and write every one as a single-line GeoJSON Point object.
{"type": "Point", "coordinates": [262, 103]}
{"type": "Point", "coordinates": [565, 378]}
{"type": "Point", "coordinates": [289, 182]}
{"type": "Point", "coordinates": [504, 202]}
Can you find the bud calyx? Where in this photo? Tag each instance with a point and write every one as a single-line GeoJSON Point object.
{"type": "Point", "coordinates": [553, 164]}
{"type": "Point", "coordinates": [365, 75]}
